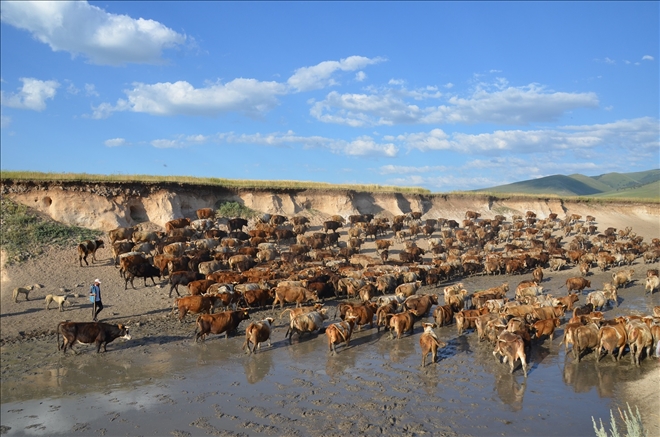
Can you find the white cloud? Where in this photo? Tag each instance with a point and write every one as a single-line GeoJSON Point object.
{"type": "Point", "coordinates": [610, 61]}
{"type": "Point", "coordinates": [102, 37]}
{"type": "Point", "coordinates": [249, 96]}
{"type": "Point", "coordinates": [71, 89]}
{"type": "Point", "coordinates": [360, 76]}
{"type": "Point", "coordinates": [647, 58]}
{"type": "Point", "coordinates": [495, 103]}
{"type": "Point", "coordinates": [32, 95]}
{"type": "Point", "coordinates": [5, 121]}
{"type": "Point", "coordinates": [115, 142]}
{"type": "Point", "coordinates": [634, 135]}
{"type": "Point", "coordinates": [320, 75]}
{"type": "Point", "coordinates": [449, 85]}
{"type": "Point", "coordinates": [361, 146]}
{"type": "Point", "coordinates": [90, 90]}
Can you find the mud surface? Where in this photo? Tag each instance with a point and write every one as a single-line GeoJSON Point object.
{"type": "Point", "coordinates": [161, 383]}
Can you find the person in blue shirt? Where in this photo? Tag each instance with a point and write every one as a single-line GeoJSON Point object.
{"type": "Point", "coordinates": [95, 297]}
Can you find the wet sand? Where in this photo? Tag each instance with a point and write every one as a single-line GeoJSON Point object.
{"type": "Point", "coordinates": [161, 383]}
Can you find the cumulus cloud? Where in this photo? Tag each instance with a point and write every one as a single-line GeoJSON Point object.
{"type": "Point", "coordinates": [636, 134]}
{"type": "Point", "coordinates": [360, 76]}
{"type": "Point", "coordinates": [496, 103]}
{"type": "Point", "coordinates": [249, 96]}
{"type": "Point", "coordinates": [647, 58]}
{"type": "Point", "coordinates": [320, 75]}
{"type": "Point", "coordinates": [82, 29]}
{"type": "Point", "coordinates": [115, 142]}
{"type": "Point", "coordinates": [32, 95]}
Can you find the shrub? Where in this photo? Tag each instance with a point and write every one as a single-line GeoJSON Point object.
{"type": "Point", "coordinates": [235, 209]}
{"type": "Point", "coordinates": [632, 421]}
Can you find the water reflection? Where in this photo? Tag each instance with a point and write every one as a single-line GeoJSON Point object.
{"type": "Point", "coordinates": [257, 366]}
{"type": "Point", "coordinates": [585, 375]}
{"type": "Point", "coordinates": [510, 391]}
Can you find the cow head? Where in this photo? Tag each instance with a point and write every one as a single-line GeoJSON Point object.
{"type": "Point", "coordinates": [245, 313]}
{"type": "Point", "coordinates": [123, 331]}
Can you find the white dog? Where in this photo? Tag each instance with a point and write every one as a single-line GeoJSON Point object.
{"type": "Point", "coordinates": [22, 290]}
{"type": "Point", "coordinates": [60, 300]}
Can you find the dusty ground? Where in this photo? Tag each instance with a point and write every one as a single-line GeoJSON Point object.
{"type": "Point", "coordinates": [373, 387]}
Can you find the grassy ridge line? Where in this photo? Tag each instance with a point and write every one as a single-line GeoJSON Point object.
{"type": "Point", "coordinates": [274, 185]}
{"type": "Point", "coordinates": [230, 183]}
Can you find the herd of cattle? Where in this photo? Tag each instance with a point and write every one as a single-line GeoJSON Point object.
{"type": "Point", "coordinates": [239, 266]}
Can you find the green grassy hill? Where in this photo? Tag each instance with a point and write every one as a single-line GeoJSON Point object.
{"type": "Point", "coordinates": [637, 185]}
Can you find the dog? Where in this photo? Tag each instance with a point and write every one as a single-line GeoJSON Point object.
{"type": "Point", "coordinates": [60, 300]}
{"type": "Point", "coordinates": [22, 290]}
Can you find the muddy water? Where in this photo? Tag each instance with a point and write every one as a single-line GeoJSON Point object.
{"type": "Point", "coordinates": [167, 385]}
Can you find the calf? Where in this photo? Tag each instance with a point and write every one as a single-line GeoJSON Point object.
{"type": "Point", "coordinates": [88, 247]}
{"type": "Point", "coordinates": [224, 322]}
{"type": "Point", "coordinates": [256, 333]}
{"type": "Point", "coordinates": [89, 332]}
{"type": "Point", "coordinates": [421, 304]}
{"type": "Point", "coordinates": [429, 343]}
{"type": "Point", "coordinates": [652, 284]}
{"type": "Point", "coordinates": [340, 332]}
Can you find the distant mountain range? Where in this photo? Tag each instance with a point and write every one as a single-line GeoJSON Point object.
{"type": "Point", "coordinates": [643, 184]}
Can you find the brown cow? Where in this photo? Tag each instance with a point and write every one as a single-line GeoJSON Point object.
{"type": "Point", "coordinates": [88, 247]}
{"type": "Point", "coordinates": [382, 312]}
{"type": "Point", "coordinates": [205, 213]}
{"type": "Point", "coordinates": [224, 322]}
{"type": "Point", "coordinates": [290, 294]}
{"type": "Point", "coordinates": [429, 342]}
{"type": "Point", "coordinates": [362, 314]}
{"type": "Point", "coordinates": [611, 336]}
{"type": "Point", "coordinates": [119, 234]}
{"type": "Point", "coordinates": [256, 333]}
{"type": "Point", "coordinates": [568, 301]}
{"type": "Point", "coordinates": [307, 322]}
{"type": "Point", "coordinates": [256, 296]}
{"type": "Point", "coordinates": [545, 327]}
{"type": "Point", "coordinates": [512, 347]}
{"type": "Point", "coordinates": [182, 278]}
{"type": "Point", "coordinates": [584, 337]}
{"type": "Point", "coordinates": [577, 284]}
{"type": "Point", "coordinates": [443, 315]}
{"type": "Point", "coordinates": [176, 223]}
{"type": "Point", "coordinates": [199, 286]}
{"type": "Point", "coordinates": [195, 305]}
{"type": "Point", "coordinates": [421, 304]}
{"type": "Point", "coordinates": [639, 338]}
{"type": "Point", "coordinates": [340, 331]}
{"type": "Point", "coordinates": [295, 312]}
{"type": "Point", "coordinates": [402, 322]}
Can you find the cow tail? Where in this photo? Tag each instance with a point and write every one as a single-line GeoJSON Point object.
{"type": "Point", "coordinates": [197, 323]}
{"type": "Point", "coordinates": [282, 315]}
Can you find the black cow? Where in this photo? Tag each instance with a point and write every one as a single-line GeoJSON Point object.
{"type": "Point", "coordinates": [331, 225]}
{"type": "Point", "coordinates": [144, 271]}
{"type": "Point", "coordinates": [236, 224]}
{"type": "Point", "coordinates": [88, 333]}
{"type": "Point", "coordinates": [88, 247]}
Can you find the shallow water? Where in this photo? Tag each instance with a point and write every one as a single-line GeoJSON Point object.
{"type": "Point", "coordinates": [164, 384]}
{"type": "Point", "coordinates": [375, 386]}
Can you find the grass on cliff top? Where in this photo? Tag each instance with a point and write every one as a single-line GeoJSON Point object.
{"type": "Point", "coordinates": [229, 183]}
{"type": "Point", "coordinates": [24, 234]}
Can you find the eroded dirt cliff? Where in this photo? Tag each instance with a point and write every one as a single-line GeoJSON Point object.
{"type": "Point", "coordinates": [106, 206]}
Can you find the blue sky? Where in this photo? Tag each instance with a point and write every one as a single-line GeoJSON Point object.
{"type": "Point", "coordinates": [442, 95]}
